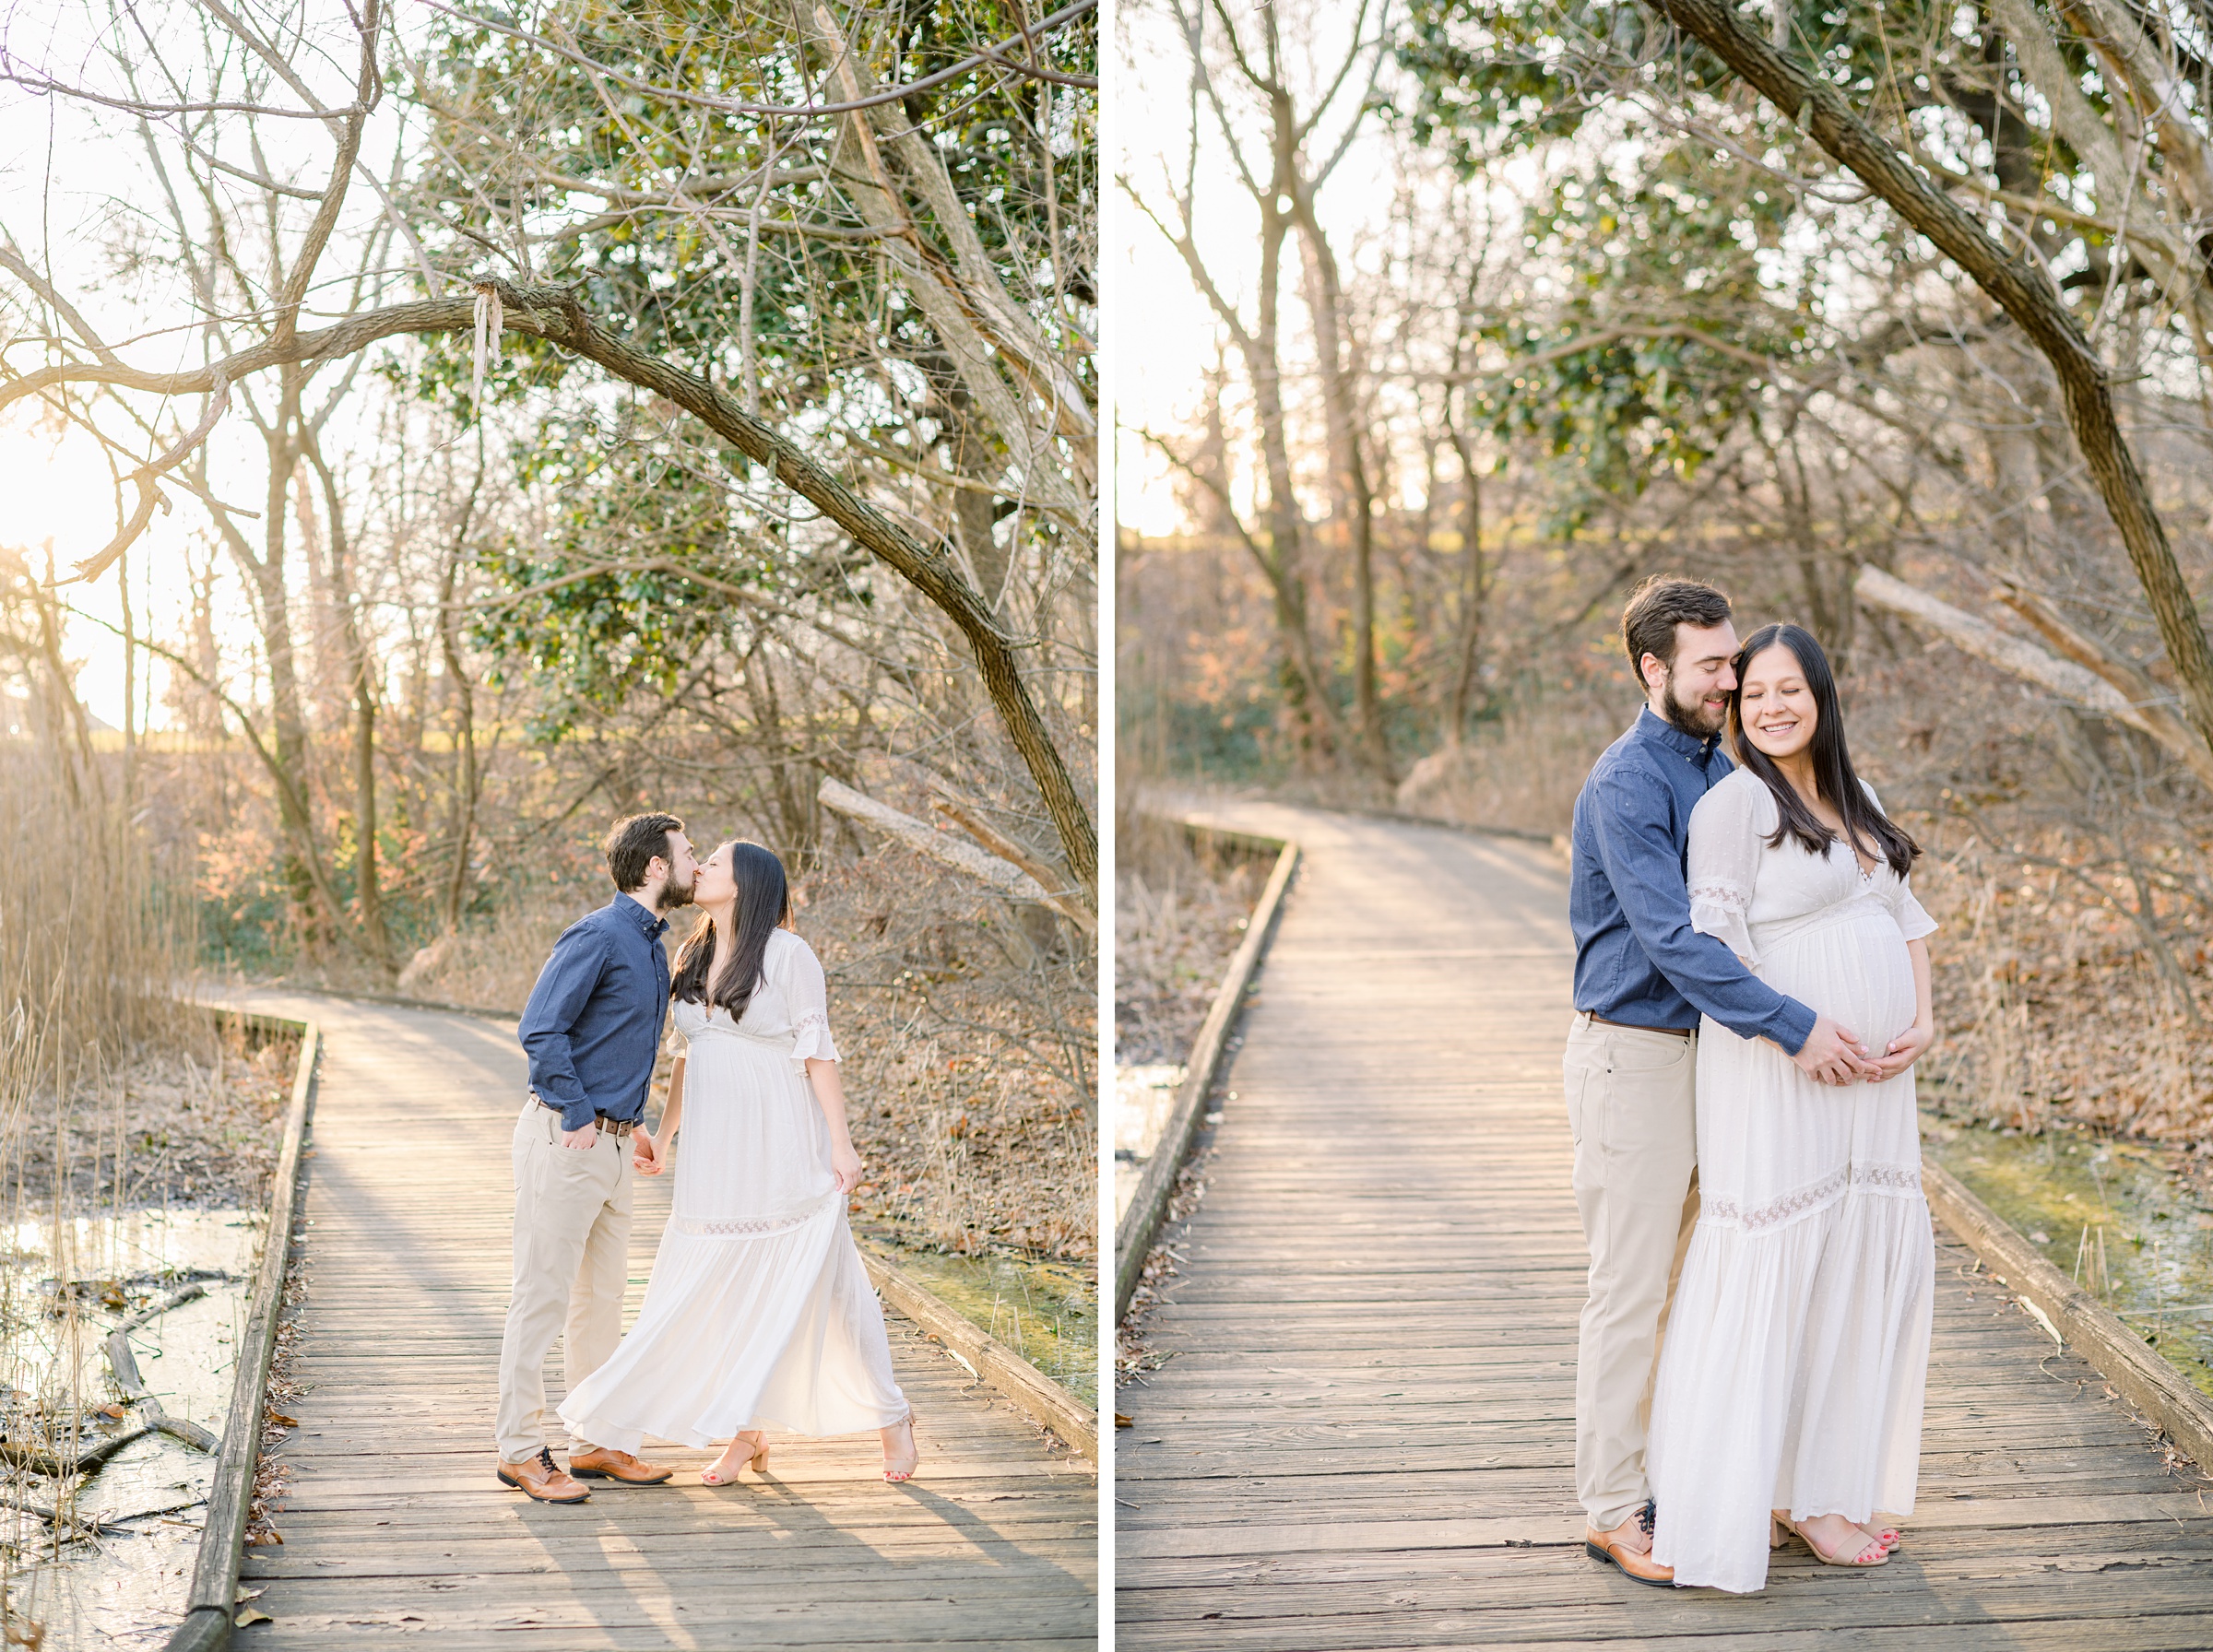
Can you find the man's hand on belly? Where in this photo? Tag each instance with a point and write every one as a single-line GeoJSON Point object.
{"type": "Point", "coordinates": [1833, 1055]}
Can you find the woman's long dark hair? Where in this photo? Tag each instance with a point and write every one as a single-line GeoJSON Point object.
{"type": "Point", "coordinates": [1833, 776]}
{"type": "Point", "coordinates": [764, 902]}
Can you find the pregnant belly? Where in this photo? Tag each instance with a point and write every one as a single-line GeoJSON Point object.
{"type": "Point", "coordinates": [1855, 971]}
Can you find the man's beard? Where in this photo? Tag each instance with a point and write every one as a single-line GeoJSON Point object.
{"type": "Point", "coordinates": [1693, 719]}
{"type": "Point", "coordinates": [673, 897]}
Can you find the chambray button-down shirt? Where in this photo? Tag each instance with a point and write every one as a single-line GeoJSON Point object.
{"type": "Point", "coordinates": [594, 1020]}
{"type": "Point", "coordinates": [1636, 958]}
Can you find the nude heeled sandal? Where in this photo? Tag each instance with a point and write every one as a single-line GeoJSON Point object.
{"type": "Point", "coordinates": [757, 1462]}
{"type": "Point", "coordinates": [1858, 1558]}
{"type": "Point", "coordinates": [897, 1475]}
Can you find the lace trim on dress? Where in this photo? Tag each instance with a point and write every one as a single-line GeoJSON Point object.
{"type": "Point", "coordinates": [752, 1227]}
{"type": "Point", "coordinates": [811, 1038]}
{"type": "Point", "coordinates": [1720, 909]}
{"type": "Point", "coordinates": [1798, 1201]}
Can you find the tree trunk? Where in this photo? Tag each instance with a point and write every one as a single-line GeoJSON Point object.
{"type": "Point", "coordinates": [466, 783]}
{"type": "Point", "coordinates": [1306, 690]}
{"type": "Point", "coordinates": [1355, 496]}
{"type": "Point", "coordinates": [361, 682]}
{"type": "Point", "coordinates": [312, 900]}
{"type": "Point", "coordinates": [1475, 588]}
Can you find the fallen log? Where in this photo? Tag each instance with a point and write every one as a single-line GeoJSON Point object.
{"type": "Point", "coordinates": [947, 849]}
{"type": "Point", "coordinates": [125, 1364]}
{"type": "Point", "coordinates": [2090, 678]}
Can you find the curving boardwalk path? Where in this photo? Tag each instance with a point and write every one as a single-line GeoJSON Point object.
{"type": "Point", "coordinates": [1364, 1435]}
{"type": "Point", "coordinates": [393, 1526]}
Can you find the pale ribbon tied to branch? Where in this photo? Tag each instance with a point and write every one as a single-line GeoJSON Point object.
{"type": "Point", "coordinates": [490, 321]}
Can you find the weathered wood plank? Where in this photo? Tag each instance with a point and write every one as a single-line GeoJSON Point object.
{"type": "Point", "coordinates": [393, 1524]}
{"type": "Point", "coordinates": [1367, 1409]}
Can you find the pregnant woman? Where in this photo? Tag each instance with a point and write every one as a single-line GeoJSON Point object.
{"type": "Point", "coordinates": [759, 1311]}
{"type": "Point", "coordinates": [1789, 1391]}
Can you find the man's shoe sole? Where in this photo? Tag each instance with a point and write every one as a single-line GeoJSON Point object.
{"type": "Point", "coordinates": [1595, 1552]}
{"type": "Point", "coordinates": [610, 1474]}
{"type": "Point", "coordinates": [537, 1496]}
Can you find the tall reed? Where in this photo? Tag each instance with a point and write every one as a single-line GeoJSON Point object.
{"type": "Point", "coordinates": [92, 958]}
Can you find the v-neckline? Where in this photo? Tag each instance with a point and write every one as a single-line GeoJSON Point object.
{"type": "Point", "coordinates": [1867, 872]}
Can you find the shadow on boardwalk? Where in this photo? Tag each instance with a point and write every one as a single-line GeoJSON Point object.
{"type": "Point", "coordinates": [394, 1525]}
{"type": "Point", "coordinates": [1362, 1436]}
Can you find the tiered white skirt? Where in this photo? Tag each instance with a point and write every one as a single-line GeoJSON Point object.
{"type": "Point", "coordinates": [759, 1313]}
{"type": "Point", "coordinates": [1797, 1347]}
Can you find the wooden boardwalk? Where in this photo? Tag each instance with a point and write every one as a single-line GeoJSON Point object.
{"type": "Point", "coordinates": [1362, 1436]}
{"type": "Point", "coordinates": [394, 1525]}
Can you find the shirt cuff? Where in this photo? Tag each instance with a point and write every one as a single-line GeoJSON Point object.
{"type": "Point", "coordinates": [1790, 1026]}
{"type": "Point", "coordinates": [574, 1114]}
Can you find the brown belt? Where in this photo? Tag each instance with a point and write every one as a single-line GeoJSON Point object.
{"type": "Point", "coordinates": [616, 1127]}
{"type": "Point", "coordinates": [1671, 1031]}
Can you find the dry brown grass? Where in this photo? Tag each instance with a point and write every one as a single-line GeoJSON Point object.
{"type": "Point", "coordinates": [1180, 909]}
{"type": "Point", "coordinates": [1522, 771]}
{"type": "Point", "coordinates": [2056, 1012]}
{"type": "Point", "coordinates": [114, 1093]}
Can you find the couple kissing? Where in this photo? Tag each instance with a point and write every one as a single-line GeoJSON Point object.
{"type": "Point", "coordinates": [758, 1312]}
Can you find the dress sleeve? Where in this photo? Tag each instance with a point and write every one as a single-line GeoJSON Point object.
{"type": "Point", "coordinates": [1724, 866]}
{"type": "Point", "coordinates": [808, 995]}
{"type": "Point", "coordinates": [1913, 917]}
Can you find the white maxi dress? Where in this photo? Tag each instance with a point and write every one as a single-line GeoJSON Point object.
{"type": "Point", "coordinates": [759, 1313]}
{"type": "Point", "coordinates": [1797, 1346]}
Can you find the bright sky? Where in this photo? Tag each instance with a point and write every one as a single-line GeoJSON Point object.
{"type": "Point", "coordinates": [58, 484]}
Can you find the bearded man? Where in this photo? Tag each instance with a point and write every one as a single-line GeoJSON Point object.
{"type": "Point", "coordinates": [592, 1028]}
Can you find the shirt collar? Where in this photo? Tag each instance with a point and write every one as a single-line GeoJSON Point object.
{"type": "Point", "coordinates": [1651, 726]}
{"type": "Point", "coordinates": [655, 927]}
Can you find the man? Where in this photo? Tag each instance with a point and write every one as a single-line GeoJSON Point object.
{"type": "Point", "coordinates": [1642, 978]}
{"type": "Point", "coordinates": [592, 1027]}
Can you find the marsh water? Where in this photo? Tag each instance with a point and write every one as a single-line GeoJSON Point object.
{"type": "Point", "coordinates": [1046, 1311]}
{"type": "Point", "coordinates": [2115, 1216]}
{"type": "Point", "coordinates": [117, 1573]}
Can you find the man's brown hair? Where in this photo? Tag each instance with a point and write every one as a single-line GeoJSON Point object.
{"type": "Point", "coordinates": [1657, 606]}
{"type": "Point", "coordinates": [633, 842]}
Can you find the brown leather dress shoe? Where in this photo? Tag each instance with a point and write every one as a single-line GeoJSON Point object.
{"type": "Point", "coordinates": [1613, 1547]}
{"type": "Point", "coordinates": [601, 1463]}
{"type": "Point", "coordinates": [540, 1478]}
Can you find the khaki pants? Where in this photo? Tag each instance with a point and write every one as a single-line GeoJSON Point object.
{"type": "Point", "coordinates": [1629, 1107]}
{"type": "Point", "coordinates": [572, 1253]}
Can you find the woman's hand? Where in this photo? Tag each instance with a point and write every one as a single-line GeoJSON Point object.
{"type": "Point", "coordinates": [845, 1164]}
{"type": "Point", "coordinates": [646, 1158]}
{"type": "Point", "coordinates": [1905, 1049]}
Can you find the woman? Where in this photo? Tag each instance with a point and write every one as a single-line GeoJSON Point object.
{"type": "Point", "coordinates": [759, 1311]}
{"type": "Point", "coordinates": [1789, 1390]}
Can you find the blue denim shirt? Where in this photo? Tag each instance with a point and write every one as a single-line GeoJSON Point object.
{"type": "Point", "coordinates": [1636, 958]}
{"type": "Point", "coordinates": [594, 1020]}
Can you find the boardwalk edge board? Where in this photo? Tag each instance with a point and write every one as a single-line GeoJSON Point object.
{"type": "Point", "coordinates": [2071, 1314]}
{"type": "Point", "coordinates": [992, 1361]}
{"type": "Point", "coordinates": [1134, 1231]}
{"type": "Point", "coordinates": [207, 1622]}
